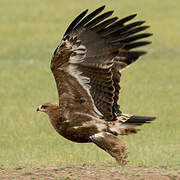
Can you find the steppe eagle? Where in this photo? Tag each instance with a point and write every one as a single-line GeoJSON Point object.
{"type": "Point", "coordinates": [87, 67]}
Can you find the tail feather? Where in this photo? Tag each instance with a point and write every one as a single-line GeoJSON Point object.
{"type": "Point", "coordinates": [129, 126]}
{"type": "Point", "coordinates": [139, 120]}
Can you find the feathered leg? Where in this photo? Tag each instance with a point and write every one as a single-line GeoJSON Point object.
{"type": "Point", "coordinates": [112, 145]}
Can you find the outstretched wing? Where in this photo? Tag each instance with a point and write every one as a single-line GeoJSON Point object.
{"type": "Point", "coordinates": [93, 51]}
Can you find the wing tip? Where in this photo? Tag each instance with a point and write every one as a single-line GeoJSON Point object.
{"type": "Point", "coordinates": [101, 8]}
{"type": "Point", "coordinates": [133, 15]}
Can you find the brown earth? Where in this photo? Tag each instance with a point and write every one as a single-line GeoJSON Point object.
{"type": "Point", "coordinates": [88, 173]}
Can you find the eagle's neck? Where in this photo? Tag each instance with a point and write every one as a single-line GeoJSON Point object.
{"type": "Point", "coordinates": [55, 118]}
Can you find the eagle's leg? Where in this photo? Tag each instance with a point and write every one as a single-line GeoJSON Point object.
{"type": "Point", "coordinates": [111, 144]}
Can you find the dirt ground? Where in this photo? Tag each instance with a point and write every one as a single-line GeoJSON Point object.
{"type": "Point", "coordinates": [88, 173]}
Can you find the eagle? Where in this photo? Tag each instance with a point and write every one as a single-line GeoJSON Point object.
{"type": "Point", "coordinates": [87, 67]}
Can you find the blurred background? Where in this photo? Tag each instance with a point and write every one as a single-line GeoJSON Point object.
{"type": "Point", "coordinates": [29, 33]}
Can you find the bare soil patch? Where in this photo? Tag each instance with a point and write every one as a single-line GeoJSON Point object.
{"type": "Point", "coordinates": [87, 172]}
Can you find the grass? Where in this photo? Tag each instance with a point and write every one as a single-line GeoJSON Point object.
{"type": "Point", "coordinates": [30, 31]}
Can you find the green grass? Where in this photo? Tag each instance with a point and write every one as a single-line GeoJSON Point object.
{"type": "Point", "coordinates": [30, 31]}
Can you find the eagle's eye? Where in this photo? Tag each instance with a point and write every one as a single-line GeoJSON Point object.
{"type": "Point", "coordinates": [44, 106]}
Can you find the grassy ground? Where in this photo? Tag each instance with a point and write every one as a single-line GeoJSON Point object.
{"type": "Point", "coordinates": [30, 31]}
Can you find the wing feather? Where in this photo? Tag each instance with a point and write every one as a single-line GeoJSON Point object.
{"type": "Point", "coordinates": [93, 51]}
{"type": "Point", "coordinates": [89, 17]}
{"type": "Point", "coordinates": [75, 22]}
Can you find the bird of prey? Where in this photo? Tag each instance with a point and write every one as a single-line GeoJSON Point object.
{"type": "Point", "coordinates": [87, 67]}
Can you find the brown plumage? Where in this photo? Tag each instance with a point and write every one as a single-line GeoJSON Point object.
{"type": "Point", "coordinates": [87, 69]}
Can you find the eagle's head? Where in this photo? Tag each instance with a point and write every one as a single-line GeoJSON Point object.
{"type": "Point", "coordinates": [48, 107]}
{"type": "Point", "coordinates": [52, 110]}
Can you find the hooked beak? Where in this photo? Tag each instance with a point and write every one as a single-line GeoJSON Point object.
{"type": "Point", "coordinates": [38, 109]}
